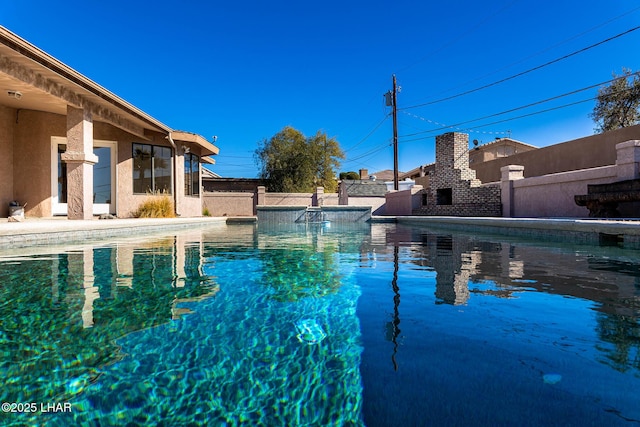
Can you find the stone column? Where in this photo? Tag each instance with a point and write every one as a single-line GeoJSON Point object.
{"type": "Point", "coordinates": [510, 173]}
{"type": "Point", "coordinates": [628, 160]}
{"type": "Point", "coordinates": [80, 159]}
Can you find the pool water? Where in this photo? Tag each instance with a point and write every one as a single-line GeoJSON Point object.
{"type": "Point", "coordinates": [321, 325]}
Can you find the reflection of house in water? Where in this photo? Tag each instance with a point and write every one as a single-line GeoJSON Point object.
{"type": "Point", "coordinates": [467, 266]}
{"type": "Point", "coordinates": [84, 299]}
{"type": "Point", "coordinates": [460, 261]}
{"type": "Point", "coordinates": [156, 275]}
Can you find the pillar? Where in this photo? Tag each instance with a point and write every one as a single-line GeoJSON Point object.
{"type": "Point", "coordinates": [628, 160]}
{"type": "Point", "coordinates": [262, 195]}
{"type": "Point", "coordinates": [318, 200]}
{"type": "Point", "coordinates": [510, 173]}
{"type": "Point", "coordinates": [80, 159]}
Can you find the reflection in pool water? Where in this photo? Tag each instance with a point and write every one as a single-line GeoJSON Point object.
{"type": "Point", "coordinates": [372, 325]}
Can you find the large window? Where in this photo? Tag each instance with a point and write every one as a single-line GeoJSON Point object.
{"type": "Point", "coordinates": [191, 175]}
{"type": "Point", "coordinates": [151, 169]}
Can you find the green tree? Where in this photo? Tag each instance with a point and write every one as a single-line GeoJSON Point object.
{"type": "Point", "coordinates": [618, 103]}
{"type": "Point", "coordinates": [351, 175]}
{"type": "Point", "coordinates": [293, 163]}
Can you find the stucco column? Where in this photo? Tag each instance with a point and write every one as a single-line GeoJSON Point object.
{"type": "Point", "coordinates": [80, 159]}
{"type": "Point", "coordinates": [343, 196]}
{"type": "Point", "coordinates": [319, 196]}
{"type": "Point", "coordinates": [262, 195]}
{"type": "Point", "coordinates": [510, 173]}
{"type": "Point", "coordinates": [628, 160]}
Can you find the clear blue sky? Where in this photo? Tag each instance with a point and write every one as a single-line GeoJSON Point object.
{"type": "Point", "coordinates": [242, 70]}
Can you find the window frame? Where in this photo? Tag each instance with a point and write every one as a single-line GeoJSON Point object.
{"type": "Point", "coordinates": [191, 175]}
{"type": "Point", "coordinates": [155, 151]}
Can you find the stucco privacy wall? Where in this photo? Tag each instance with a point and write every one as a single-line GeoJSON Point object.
{"type": "Point", "coordinates": [377, 203]}
{"type": "Point", "coordinates": [583, 153]}
{"type": "Point", "coordinates": [228, 203]}
{"type": "Point", "coordinates": [553, 195]}
{"type": "Point", "coordinates": [403, 202]}
{"type": "Point", "coordinates": [243, 203]}
{"type": "Point", "coordinates": [7, 118]}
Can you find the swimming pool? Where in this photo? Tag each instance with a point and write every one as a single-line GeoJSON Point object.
{"type": "Point", "coordinates": [365, 324]}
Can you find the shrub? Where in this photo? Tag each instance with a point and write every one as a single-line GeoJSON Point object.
{"type": "Point", "coordinates": [157, 205]}
{"type": "Point", "coordinates": [205, 212]}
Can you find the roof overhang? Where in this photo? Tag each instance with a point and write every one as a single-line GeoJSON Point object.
{"type": "Point", "coordinates": [48, 85]}
{"type": "Point", "coordinates": [206, 148]}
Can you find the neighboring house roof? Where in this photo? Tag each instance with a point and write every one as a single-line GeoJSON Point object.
{"type": "Point", "coordinates": [364, 188]}
{"type": "Point", "coordinates": [384, 175]}
{"type": "Point", "coordinates": [415, 172]}
{"type": "Point", "coordinates": [496, 141]}
{"type": "Point", "coordinates": [209, 174]}
{"type": "Point", "coordinates": [46, 84]}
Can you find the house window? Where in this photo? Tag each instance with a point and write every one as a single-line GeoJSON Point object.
{"type": "Point", "coordinates": [191, 175]}
{"type": "Point", "coordinates": [151, 169]}
{"type": "Point", "coordinates": [444, 196]}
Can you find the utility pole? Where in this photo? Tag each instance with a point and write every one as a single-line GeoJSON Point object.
{"type": "Point", "coordinates": [394, 98]}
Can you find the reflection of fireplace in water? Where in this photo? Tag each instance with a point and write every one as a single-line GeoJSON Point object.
{"type": "Point", "coordinates": [453, 270]}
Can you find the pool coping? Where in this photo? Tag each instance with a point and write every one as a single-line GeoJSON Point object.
{"type": "Point", "coordinates": [55, 231]}
{"type": "Point", "coordinates": [623, 232]}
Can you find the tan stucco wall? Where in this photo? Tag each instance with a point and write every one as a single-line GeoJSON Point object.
{"type": "Point", "coordinates": [7, 121]}
{"type": "Point", "coordinates": [583, 153]}
{"type": "Point", "coordinates": [403, 202]}
{"type": "Point", "coordinates": [127, 202]}
{"type": "Point", "coordinates": [227, 203]}
{"type": "Point", "coordinates": [553, 195]}
{"type": "Point", "coordinates": [289, 199]}
{"type": "Point", "coordinates": [377, 203]}
{"type": "Point", "coordinates": [32, 159]}
{"type": "Point", "coordinates": [189, 206]}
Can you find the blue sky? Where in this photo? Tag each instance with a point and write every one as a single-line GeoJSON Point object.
{"type": "Point", "coordinates": [242, 70]}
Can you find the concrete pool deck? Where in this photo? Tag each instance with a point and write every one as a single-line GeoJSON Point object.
{"type": "Point", "coordinates": [52, 231]}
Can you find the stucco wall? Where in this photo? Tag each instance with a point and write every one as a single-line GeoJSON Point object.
{"type": "Point", "coordinates": [377, 203]}
{"type": "Point", "coordinates": [227, 203]}
{"type": "Point", "coordinates": [127, 201]}
{"type": "Point", "coordinates": [32, 161]}
{"type": "Point", "coordinates": [583, 153]}
{"type": "Point", "coordinates": [7, 121]}
{"type": "Point", "coordinates": [289, 199]}
{"type": "Point", "coordinates": [403, 202]}
{"type": "Point", "coordinates": [243, 203]}
{"type": "Point", "coordinates": [553, 195]}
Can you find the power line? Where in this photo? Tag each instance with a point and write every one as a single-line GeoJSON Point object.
{"type": "Point", "coordinates": [368, 135]}
{"type": "Point", "coordinates": [461, 36]}
{"type": "Point", "coordinates": [517, 108]}
{"type": "Point", "coordinates": [545, 50]}
{"type": "Point", "coordinates": [526, 71]}
{"type": "Point", "coordinates": [369, 153]}
{"type": "Point", "coordinates": [512, 118]}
